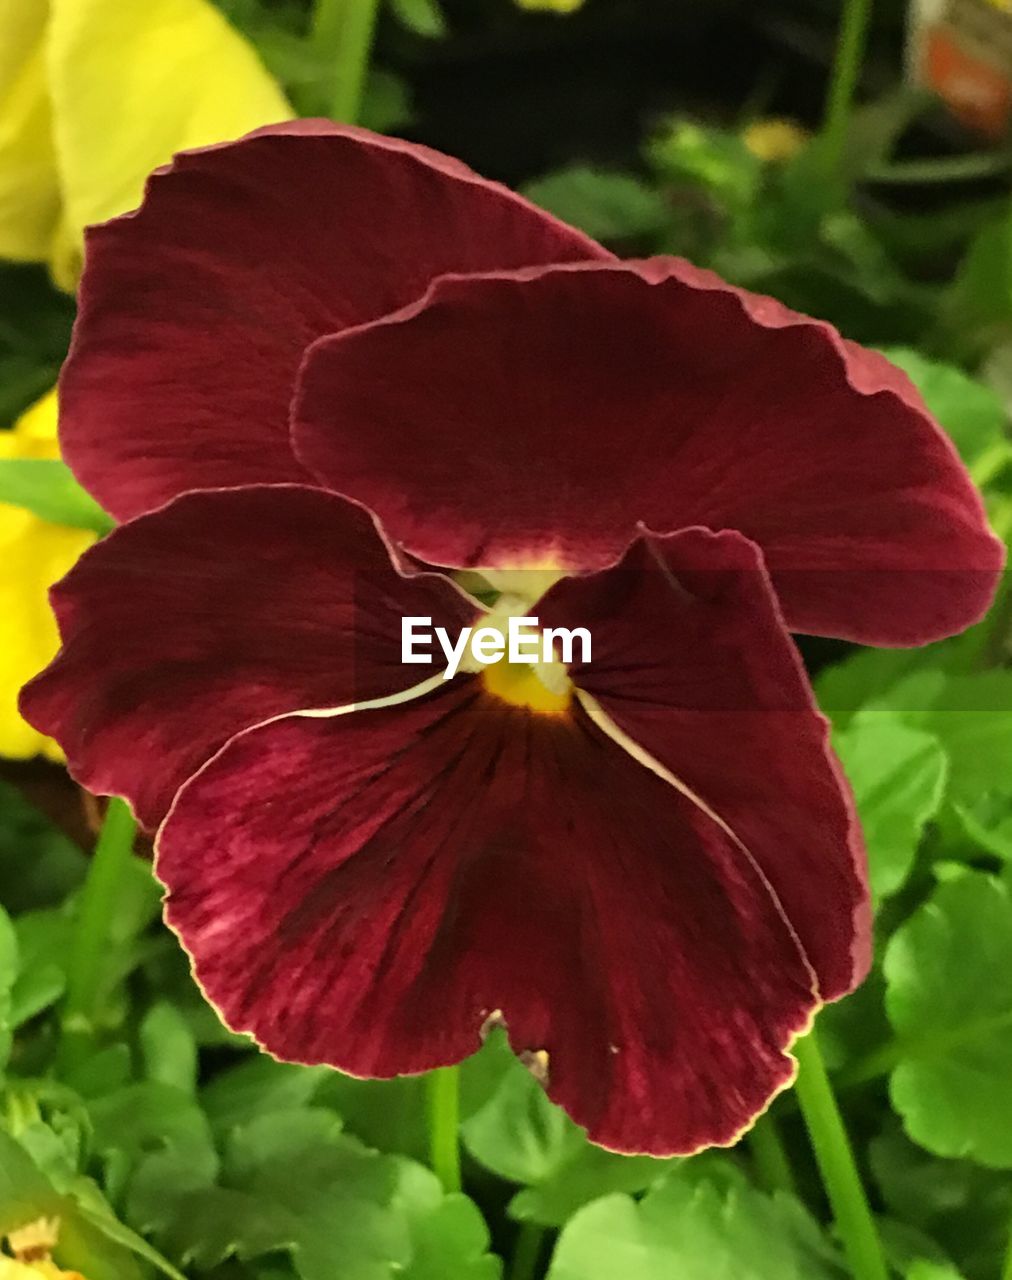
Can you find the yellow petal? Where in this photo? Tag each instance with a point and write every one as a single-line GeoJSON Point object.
{"type": "Point", "coordinates": [33, 555]}
{"type": "Point", "coordinates": [775, 141]}
{"type": "Point", "coordinates": [132, 83]}
{"type": "Point", "coordinates": [11, 1270]}
{"type": "Point", "coordinates": [29, 188]}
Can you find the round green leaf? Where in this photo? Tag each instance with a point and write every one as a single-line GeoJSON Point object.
{"type": "Point", "coordinates": [898, 775]}
{"type": "Point", "coordinates": [949, 997]}
{"type": "Point", "coordinates": [694, 1231]}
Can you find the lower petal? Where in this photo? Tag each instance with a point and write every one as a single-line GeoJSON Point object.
{"type": "Point", "coordinates": [371, 891]}
{"type": "Point", "coordinates": [692, 665]}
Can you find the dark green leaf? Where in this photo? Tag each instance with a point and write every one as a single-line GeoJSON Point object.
{"type": "Point", "coordinates": [606, 204]}
{"type": "Point", "coordinates": [8, 977]}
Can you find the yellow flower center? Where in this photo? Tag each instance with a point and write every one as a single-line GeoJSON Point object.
{"type": "Point", "coordinates": [542, 687]}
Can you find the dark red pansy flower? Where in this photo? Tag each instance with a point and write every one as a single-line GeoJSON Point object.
{"type": "Point", "coordinates": [316, 371]}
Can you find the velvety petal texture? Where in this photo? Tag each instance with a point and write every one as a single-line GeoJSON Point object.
{"type": "Point", "coordinates": [425, 870]}
{"type": "Point", "coordinates": [598, 396]}
{"type": "Point", "coordinates": [217, 612]}
{"type": "Point", "coordinates": [692, 663]}
{"type": "Point", "coordinates": [196, 311]}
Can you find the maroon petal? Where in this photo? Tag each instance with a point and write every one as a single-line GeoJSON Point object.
{"type": "Point", "coordinates": [213, 614]}
{"type": "Point", "coordinates": [537, 416]}
{"type": "Point", "coordinates": [691, 660]}
{"type": "Point", "coordinates": [196, 310]}
{"type": "Point", "coordinates": [370, 891]}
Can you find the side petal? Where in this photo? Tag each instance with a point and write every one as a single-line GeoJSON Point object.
{"type": "Point", "coordinates": [596, 396]}
{"type": "Point", "coordinates": [372, 891]}
{"type": "Point", "coordinates": [694, 671]}
{"type": "Point", "coordinates": [196, 311]}
{"type": "Point", "coordinates": [219, 611]}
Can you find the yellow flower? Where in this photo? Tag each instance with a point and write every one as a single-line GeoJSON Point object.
{"type": "Point", "coordinates": [775, 141]}
{"type": "Point", "coordinates": [94, 94]}
{"type": "Point", "coordinates": [10, 1269]}
{"type": "Point", "coordinates": [32, 1246]}
{"type": "Point", "coordinates": [555, 6]}
{"type": "Point", "coordinates": [33, 555]}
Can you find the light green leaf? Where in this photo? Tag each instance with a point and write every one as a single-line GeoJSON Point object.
{"type": "Point", "coordinates": [923, 1270]}
{"type": "Point", "coordinates": [92, 1239]}
{"type": "Point", "coordinates": [448, 1234]}
{"type": "Point", "coordinates": [47, 488]}
{"type": "Point", "coordinates": [168, 1047]}
{"type": "Point", "coordinates": [423, 17]}
{"type": "Point", "coordinates": [948, 971]}
{"type": "Point", "coordinates": [523, 1137]}
{"type": "Point", "coordinates": [608, 205]}
{"type": "Point", "coordinates": [694, 1231]}
{"type": "Point", "coordinates": [898, 775]}
{"type": "Point", "coordinates": [972, 717]}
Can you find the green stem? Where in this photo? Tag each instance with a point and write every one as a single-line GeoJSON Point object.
{"type": "Point", "coordinates": [850, 46]}
{"type": "Point", "coordinates": [769, 1156]}
{"type": "Point", "coordinates": [527, 1251]}
{"type": "Point", "coordinates": [444, 1124]}
{"type": "Point", "coordinates": [90, 940]}
{"type": "Point", "coordinates": [835, 1158]}
{"type": "Point", "coordinates": [343, 31]}
{"type": "Point", "coordinates": [1006, 1271]}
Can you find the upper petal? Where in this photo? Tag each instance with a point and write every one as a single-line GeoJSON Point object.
{"type": "Point", "coordinates": [219, 611]}
{"type": "Point", "coordinates": [692, 664]}
{"type": "Point", "coordinates": [371, 891]}
{"type": "Point", "coordinates": [196, 310]}
{"type": "Point", "coordinates": [536, 417]}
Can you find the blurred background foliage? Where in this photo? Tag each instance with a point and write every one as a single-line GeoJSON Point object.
{"type": "Point", "coordinates": [166, 1145]}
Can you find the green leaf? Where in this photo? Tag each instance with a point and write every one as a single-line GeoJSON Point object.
{"type": "Point", "coordinates": [898, 775]}
{"type": "Point", "coordinates": [966, 1209]}
{"type": "Point", "coordinates": [47, 488]}
{"type": "Point", "coordinates": [257, 1087]}
{"type": "Point", "coordinates": [39, 866]}
{"type": "Point", "coordinates": [695, 1231]}
{"type": "Point", "coordinates": [972, 716]}
{"type": "Point", "coordinates": [92, 1239]}
{"type": "Point", "coordinates": [978, 304]}
{"type": "Point", "coordinates": [608, 205]}
{"type": "Point", "coordinates": [25, 1194]}
{"type": "Point", "coordinates": [948, 971]}
{"type": "Point", "coordinates": [8, 976]}
{"type": "Point", "coordinates": [168, 1047]}
{"type": "Point", "coordinates": [423, 17]}
{"type": "Point", "coordinates": [448, 1234]}
{"type": "Point", "coordinates": [292, 1181]}
{"type": "Point", "coordinates": [923, 1270]}
{"type": "Point", "coordinates": [523, 1137]}
{"type": "Point", "coordinates": [971, 413]}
